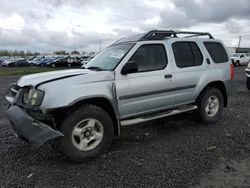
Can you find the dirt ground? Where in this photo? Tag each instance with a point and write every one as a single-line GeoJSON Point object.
{"type": "Point", "coordinates": [171, 152]}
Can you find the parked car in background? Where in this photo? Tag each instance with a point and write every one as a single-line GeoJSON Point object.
{"type": "Point", "coordinates": [44, 62]}
{"type": "Point", "coordinates": [21, 63]}
{"type": "Point", "coordinates": [86, 59]}
{"type": "Point", "coordinates": [30, 59]}
{"type": "Point", "coordinates": [58, 61]}
{"type": "Point", "coordinates": [239, 59]}
{"type": "Point", "coordinates": [18, 63]}
{"type": "Point", "coordinates": [8, 63]}
{"type": "Point", "coordinates": [2, 59]}
{"type": "Point", "coordinates": [74, 61]}
{"type": "Point", "coordinates": [248, 76]}
{"type": "Point", "coordinates": [35, 60]}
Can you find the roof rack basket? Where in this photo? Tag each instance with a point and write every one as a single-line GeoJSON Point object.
{"type": "Point", "coordinates": [162, 34]}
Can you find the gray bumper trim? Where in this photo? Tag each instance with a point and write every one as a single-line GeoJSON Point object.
{"type": "Point", "coordinates": [30, 129]}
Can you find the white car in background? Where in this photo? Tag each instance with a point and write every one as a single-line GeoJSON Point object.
{"type": "Point", "coordinates": [240, 59]}
{"type": "Point", "coordinates": [35, 60]}
{"type": "Point", "coordinates": [8, 63]}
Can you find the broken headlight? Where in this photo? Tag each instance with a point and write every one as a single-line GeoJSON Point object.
{"type": "Point", "coordinates": [32, 97]}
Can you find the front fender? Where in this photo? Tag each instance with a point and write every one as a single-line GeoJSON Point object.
{"type": "Point", "coordinates": [58, 97]}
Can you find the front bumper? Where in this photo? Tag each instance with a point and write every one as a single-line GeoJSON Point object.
{"type": "Point", "coordinates": [29, 129]}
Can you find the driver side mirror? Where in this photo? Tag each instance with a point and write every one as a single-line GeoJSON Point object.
{"type": "Point", "coordinates": [130, 67]}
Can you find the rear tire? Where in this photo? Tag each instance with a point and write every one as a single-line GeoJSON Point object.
{"type": "Point", "coordinates": [88, 131]}
{"type": "Point", "coordinates": [53, 65]}
{"type": "Point", "coordinates": [210, 105]}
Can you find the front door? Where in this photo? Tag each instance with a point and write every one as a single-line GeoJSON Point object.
{"type": "Point", "coordinates": [151, 87]}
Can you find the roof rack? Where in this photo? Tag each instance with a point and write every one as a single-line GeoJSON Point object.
{"type": "Point", "coordinates": [162, 34]}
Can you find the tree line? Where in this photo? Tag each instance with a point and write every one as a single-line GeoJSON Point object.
{"type": "Point", "coordinates": [20, 53]}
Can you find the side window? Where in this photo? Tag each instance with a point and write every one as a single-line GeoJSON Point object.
{"type": "Point", "coordinates": [242, 56]}
{"type": "Point", "coordinates": [217, 52]}
{"type": "Point", "coordinates": [150, 57]}
{"type": "Point", "coordinates": [187, 54]}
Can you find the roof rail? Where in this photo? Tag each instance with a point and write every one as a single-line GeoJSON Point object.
{"type": "Point", "coordinates": [162, 34]}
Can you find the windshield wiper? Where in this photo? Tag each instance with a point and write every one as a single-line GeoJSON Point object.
{"type": "Point", "coordinates": [94, 68]}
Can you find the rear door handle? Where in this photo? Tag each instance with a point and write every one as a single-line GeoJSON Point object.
{"type": "Point", "coordinates": [168, 76]}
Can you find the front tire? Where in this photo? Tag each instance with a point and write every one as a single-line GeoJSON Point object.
{"type": "Point", "coordinates": [237, 63]}
{"type": "Point", "coordinates": [88, 131]}
{"type": "Point", "coordinates": [210, 105]}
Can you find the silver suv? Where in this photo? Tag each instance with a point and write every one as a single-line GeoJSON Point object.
{"type": "Point", "coordinates": [136, 79]}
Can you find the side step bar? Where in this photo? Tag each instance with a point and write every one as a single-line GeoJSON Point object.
{"type": "Point", "coordinates": [150, 117]}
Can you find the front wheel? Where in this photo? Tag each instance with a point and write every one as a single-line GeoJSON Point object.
{"type": "Point", "coordinates": [210, 105]}
{"type": "Point", "coordinates": [237, 63]}
{"type": "Point", "coordinates": [88, 131]}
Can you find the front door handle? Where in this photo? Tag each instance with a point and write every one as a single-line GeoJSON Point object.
{"type": "Point", "coordinates": [208, 61]}
{"type": "Point", "coordinates": [168, 76]}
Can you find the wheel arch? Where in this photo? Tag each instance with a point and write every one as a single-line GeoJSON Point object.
{"type": "Point", "coordinates": [109, 106]}
{"type": "Point", "coordinates": [219, 85]}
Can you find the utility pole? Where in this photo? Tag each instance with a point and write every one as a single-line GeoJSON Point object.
{"type": "Point", "coordinates": [239, 41]}
{"type": "Point", "coordinates": [73, 35]}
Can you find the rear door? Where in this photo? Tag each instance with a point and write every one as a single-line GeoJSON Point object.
{"type": "Point", "coordinates": [151, 88]}
{"type": "Point", "coordinates": [189, 64]}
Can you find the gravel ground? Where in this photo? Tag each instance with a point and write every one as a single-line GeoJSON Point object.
{"type": "Point", "coordinates": [171, 152]}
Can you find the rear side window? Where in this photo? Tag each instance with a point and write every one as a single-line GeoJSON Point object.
{"type": "Point", "coordinates": [216, 51]}
{"type": "Point", "coordinates": [187, 54]}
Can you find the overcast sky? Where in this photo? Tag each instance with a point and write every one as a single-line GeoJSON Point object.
{"type": "Point", "coordinates": [48, 25]}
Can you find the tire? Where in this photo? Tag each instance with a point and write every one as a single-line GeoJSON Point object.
{"type": "Point", "coordinates": [202, 113]}
{"type": "Point", "coordinates": [53, 65]}
{"type": "Point", "coordinates": [237, 63]}
{"type": "Point", "coordinates": [248, 83]}
{"type": "Point", "coordinates": [80, 119]}
{"type": "Point", "coordinates": [69, 65]}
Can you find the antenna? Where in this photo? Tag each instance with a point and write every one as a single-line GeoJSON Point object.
{"type": "Point", "coordinates": [239, 41]}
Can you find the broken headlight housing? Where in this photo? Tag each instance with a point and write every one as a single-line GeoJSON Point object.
{"type": "Point", "coordinates": [32, 97]}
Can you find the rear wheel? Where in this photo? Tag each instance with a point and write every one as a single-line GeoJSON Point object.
{"type": "Point", "coordinates": [210, 105]}
{"type": "Point", "coordinates": [53, 65]}
{"type": "Point", "coordinates": [88, 131]}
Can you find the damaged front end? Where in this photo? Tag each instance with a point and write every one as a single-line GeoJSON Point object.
{"type": "Point", "coordinates": [26, 127]}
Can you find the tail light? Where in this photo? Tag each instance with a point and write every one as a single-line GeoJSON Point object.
{"type": "Point", "coordinates": [231, 71]}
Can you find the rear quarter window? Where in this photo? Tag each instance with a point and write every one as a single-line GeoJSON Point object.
{"type": "Point", "coordinates": [217, 52]}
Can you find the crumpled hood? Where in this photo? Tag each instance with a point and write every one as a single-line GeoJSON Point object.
{"type": "Point", "coordinates": [41, 78]}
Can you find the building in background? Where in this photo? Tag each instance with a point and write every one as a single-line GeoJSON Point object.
{"type": "Point", "coordinates": [233, 50]}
